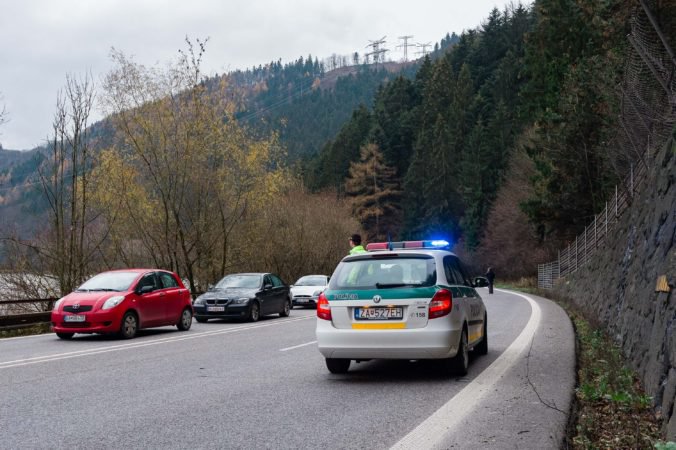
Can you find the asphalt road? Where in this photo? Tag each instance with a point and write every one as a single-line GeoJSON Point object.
{"type": "Point", "coordinates": [265, 385]}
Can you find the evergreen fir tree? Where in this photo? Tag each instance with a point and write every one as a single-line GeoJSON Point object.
{"type": "Point", "coordinates": [374, 190]}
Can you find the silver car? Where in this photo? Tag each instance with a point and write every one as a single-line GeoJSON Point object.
{"type": "Point", "coordinates": [305, 292]}
{"type": "Point", "coordinates": [401, 300]}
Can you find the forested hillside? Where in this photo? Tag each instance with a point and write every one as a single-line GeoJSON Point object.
{"type": "Point", "coordinates": [500, 145]}
{"type": "Point", "coordinates": [300, 102]}
{"type": "Point", "coordinates": [303, 103]}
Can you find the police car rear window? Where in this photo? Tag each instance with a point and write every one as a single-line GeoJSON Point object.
{"type": "Point", "coordinates": [385, 273]}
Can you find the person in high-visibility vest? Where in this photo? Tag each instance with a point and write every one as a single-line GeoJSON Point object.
{"type": "Point", "coordinates": [355, 243]}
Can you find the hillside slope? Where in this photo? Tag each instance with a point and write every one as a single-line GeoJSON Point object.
{"type": "Point", "coordinates": [304, 121]}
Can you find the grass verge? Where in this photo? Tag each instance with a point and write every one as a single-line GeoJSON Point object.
{"type": "Point", "coordinates": [39, 328]}
{"type": "Point", "coordinates": [612, 411]}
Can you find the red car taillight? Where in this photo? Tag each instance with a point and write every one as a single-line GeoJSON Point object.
{"type": "Point", "coordinates": [441, 304]}
{"type": "Point", "coordinates": [323, 308]}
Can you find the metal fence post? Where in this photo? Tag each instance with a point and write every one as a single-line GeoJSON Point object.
{"type": "Point", "coordinates": [575, 254]}
{"type": "Point", "coordinates": [584, 255]}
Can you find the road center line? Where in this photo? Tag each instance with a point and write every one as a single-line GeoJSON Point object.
{"type": "Point", "coordinates": [118, 347]}
{"type": "Point", "coordinates": [297, 346]}
{"type": "Point", "coordinates": [443, 422]}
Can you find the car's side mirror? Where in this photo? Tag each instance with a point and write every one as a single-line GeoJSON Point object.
{"type": "Point", "coordinates": [480, 282]}
{"type": "Point", "coordinates": [144, 289]}
{"type": "Point", "coordinates": [267, 286]}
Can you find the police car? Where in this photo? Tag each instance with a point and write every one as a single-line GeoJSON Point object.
{"type": "Point", "coordinates": [401, 300]}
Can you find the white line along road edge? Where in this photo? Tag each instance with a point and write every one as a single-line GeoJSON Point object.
{"type": "Point", "coordinates": [297, 346]}
{"type": "Point", "coordinates": [432, 431]}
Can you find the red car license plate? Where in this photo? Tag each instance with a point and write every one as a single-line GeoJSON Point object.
{"type": "Point", "coordinates": [74, 318]}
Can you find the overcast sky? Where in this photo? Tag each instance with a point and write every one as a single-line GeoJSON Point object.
{"type": "Point", "coordinates": [42, 41]}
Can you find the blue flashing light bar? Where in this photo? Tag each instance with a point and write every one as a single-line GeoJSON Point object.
{"type": "Point", "coordinates": [440, 243]}
{"type": "Point", "coordinates": [433, 244]}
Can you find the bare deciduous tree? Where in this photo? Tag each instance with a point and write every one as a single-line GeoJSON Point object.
{"type": "Point", "coordinates": [197, 171]}
{"type": "Point", "coordinates": [59, 258]}
{"type": "Point", "coordinates": [68, 248]}
{"type": "Point", "coordinates": [299, 234]}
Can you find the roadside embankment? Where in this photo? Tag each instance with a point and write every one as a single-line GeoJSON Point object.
{"type": "Point", "coordinates": [618, 288]}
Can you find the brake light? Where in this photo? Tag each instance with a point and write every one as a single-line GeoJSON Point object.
{"type": "Point", "coordinates": [441, 304]}
{"type": "Point", "coordinates": [323, 307]}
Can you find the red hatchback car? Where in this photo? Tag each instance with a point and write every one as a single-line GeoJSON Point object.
{"type": "Point", "coordinates": [124, 301]}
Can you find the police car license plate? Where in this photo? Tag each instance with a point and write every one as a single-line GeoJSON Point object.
{"type": "Point", "coordinates": [74, 318]}
{"type": "Point", "coordinates": [215, 308]}
{"type": "Point", "coordinates": [379, 313]}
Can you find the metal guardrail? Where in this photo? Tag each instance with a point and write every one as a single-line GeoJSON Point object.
{"type": "Point", "coordinates": [579, 252]}
{"type": "Point", "coordinates": [15, 318]}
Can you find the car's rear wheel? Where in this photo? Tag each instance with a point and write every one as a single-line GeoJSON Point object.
{"type": "Point", "coordinates": [286, 309]}
{"type": "Point", "coordinates": [129, 325]}
{"type": "Point", "coordinates": [201, 319]}
{"type": "Point", "coordinates": [459, 364]}
{"type": "Point", "coordinates": [254, 312]}
{"type": "Point", "coordinates": [65, 336]}
{"type": "Point", "coordinates": [482, 348]}
{"type": "Point", "coordinates": [186, 320]}
{"type": "Point", "coordinates": [337, 365]}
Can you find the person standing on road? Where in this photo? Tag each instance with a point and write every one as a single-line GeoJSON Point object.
{"type": "Point", "coordinates": [490, 276]}
{"type": "Point", "coordinates": [355, 244]}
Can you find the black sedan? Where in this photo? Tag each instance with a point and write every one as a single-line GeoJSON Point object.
{"type": "Point", "coordinates": [245, 296]}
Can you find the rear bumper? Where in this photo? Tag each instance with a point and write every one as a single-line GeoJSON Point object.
{"type": "Point", "coordinates": [435, 341]}
{"type": "Point", "coordinates": [230, 312]}
{"type": "Point", "coordinates": [304, 301]}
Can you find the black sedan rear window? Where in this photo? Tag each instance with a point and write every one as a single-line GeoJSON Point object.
{"type": "Point", "coordinates": [239, 281]}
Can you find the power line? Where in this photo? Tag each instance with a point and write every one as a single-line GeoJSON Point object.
{"type": "Point", "coordinates": [405, 45]}
{"type": "Point", "coordinates": [424, 48]}
{"type": "Point", "coordinates": [287, 99]}
{"type": "Point", "coordinates": [378, 52]}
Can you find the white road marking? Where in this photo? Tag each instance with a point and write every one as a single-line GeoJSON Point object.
{"type": "Point", "coordinates": [118, 347]}
{"type": "Point", "coordinates": [432, 431]}
{"type": "Point", "coordinates": [297, 346]}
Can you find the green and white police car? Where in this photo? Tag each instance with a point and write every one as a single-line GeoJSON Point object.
{"type": "Point", "coordinates": [401, 300]}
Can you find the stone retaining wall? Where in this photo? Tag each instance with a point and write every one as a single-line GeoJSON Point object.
{"type": "Point", "coordinates": [617, 287]}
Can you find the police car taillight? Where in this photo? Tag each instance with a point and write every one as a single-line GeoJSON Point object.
{"type": "Point", "coordinates": [441, 304]}
{"type": "Point", "coordinates": [323, 307]}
